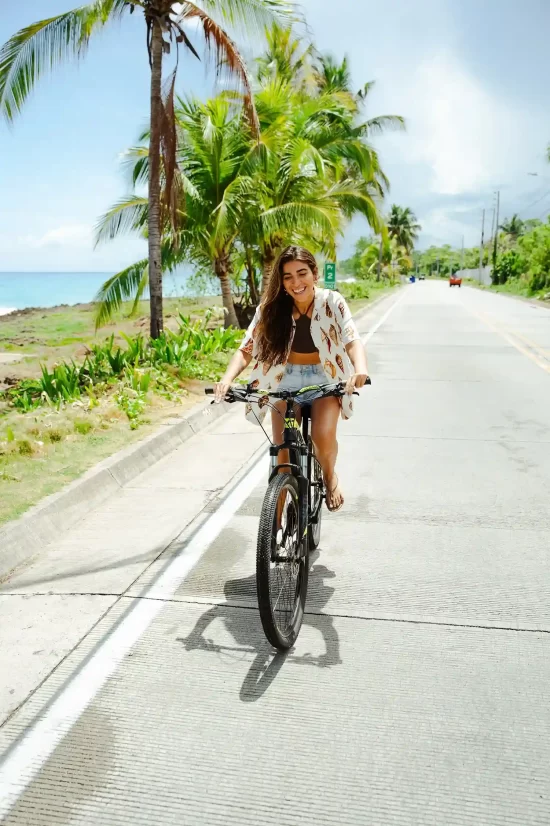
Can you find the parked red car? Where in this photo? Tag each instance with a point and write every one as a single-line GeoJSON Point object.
{"type": "Point", "coordinates": [455, 280]}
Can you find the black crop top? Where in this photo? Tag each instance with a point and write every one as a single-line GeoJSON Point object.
{"type": "Point", "coordinates": [303, 342]}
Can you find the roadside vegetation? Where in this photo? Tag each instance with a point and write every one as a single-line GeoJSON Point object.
{"type": "Point", "coordinates": [520, 260]}
{"type": "Point", "coordinates": [383, 259]}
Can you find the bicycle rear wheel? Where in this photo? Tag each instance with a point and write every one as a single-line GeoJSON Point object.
{"type": "Point", "coordinates": [281, 573]}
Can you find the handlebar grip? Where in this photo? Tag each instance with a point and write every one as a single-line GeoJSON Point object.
{"type": "Point", "coordinates": [368, 381]}
{"type": "Point", "coordinates": [209, 391]}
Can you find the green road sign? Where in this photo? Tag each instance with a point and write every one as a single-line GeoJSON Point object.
{"type": "Point", "coordinates": [330, 275]}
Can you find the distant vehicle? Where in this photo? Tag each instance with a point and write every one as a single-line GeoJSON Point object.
{"type": "Point", "coordinates": [455, 280]}
{"type": "Point", "coordinates": [422, 277]}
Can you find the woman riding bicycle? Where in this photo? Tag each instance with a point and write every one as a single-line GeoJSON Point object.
{"type": "Point", "coordinates": [302, 335]}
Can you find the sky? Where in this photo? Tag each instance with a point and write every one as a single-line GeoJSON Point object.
{"type": "Point", "coordinates": [469, 76]}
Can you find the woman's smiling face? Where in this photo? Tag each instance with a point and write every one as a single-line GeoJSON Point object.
{"type": "Point", "coordinates": [299, 281]}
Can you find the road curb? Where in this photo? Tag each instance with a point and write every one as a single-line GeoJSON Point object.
{"type": "Point", "coordinates": [23, 539]}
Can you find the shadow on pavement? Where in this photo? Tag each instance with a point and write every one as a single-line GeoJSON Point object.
{"type": "Point", "coordinates": [248, 635]}
{"type": "Point", "coordinates": [18, 579]}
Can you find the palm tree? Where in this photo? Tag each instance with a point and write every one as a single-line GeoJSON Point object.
{"type": "Point", "coordinates": [314, 144]}
{"type": "Point", "coordinates": [305, 189]}
{"type": "Point", "coordinates": [241, 199]}
{"type": "Point", "coordinates": [42, 45]}
{"type": "Point", "coordinates": [213, 144]}
{"type": "Point", "coordinates": [335, 77]}
{"type": "Point", "coordinates": [285, 58]}
{"type": "Point", "coordinates": [513, 227]}
{"type": "Point", "coordinates": [385, 255]}
{"type": "Point", "coordinates": [403, 226]}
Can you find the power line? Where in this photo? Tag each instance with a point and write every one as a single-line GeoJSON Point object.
{"type": "Point", "coordinates": [546, 194]}
{"type": "Point", "coordinates": [544, 212]}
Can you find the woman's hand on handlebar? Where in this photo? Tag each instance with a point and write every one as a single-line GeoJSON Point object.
{"type": "Point", "coordinates": [355, 381]}
{"type": "Point", "coordinates": [220, 390]}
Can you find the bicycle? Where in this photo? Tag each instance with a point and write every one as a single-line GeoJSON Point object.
{"type": "Point", "coordinates": [290, 520]}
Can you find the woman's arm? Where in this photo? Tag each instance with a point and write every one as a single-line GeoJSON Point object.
{"type": "Point", "coordinates": [358, 357]}
{"type": "Point", "coordinates": [235, 367]}
{"type": "Point", "coordinates": [240, 360]}
{"type": "Point", "coordinates": [353, 344]}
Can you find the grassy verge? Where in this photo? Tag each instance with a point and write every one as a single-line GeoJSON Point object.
{"type": "Point", "coordinates": [46, 446]}
{"type": "Point", "coordinates": [52, 441]}
{"type": "Point", "coordinates": [515, 287]}
{"type": "Point", "coordinates": [361, 293]}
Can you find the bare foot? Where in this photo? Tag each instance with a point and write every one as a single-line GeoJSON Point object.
{"type": "Point", "coordinates": [335, 498]}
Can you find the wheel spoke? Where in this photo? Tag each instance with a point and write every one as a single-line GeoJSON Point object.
{"type": "Point", "coordinates": [285, 568]}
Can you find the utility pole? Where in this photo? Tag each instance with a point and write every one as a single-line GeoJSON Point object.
{"type": "Point", "coordinates": [379, 273]}
{"type": "Point", "coordinates": [496, 230]}
{"type": "Point", "coordinates": [481, 244]}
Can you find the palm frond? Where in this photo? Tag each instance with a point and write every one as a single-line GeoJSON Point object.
{"type": "Point", "coordinates": [249, 15]}
{"type": "Point", "coordinates": [128, 284]}
{"type": "Point", "coordinates": [127, 215]}
{"type": "Point", "coordinates": [363, 93]}
{"type": "Point", "coordinates": [383, 123]}
{"type": "Point", "coordinates": [168, 142]}
{"type": "Point", "coordinates": [286, 217]}
{"type": "Point", "coordinates": [224, 51]}
{"type": "Point", "coordinates": [40, 47]}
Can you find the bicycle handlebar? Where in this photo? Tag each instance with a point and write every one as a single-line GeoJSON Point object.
{"type": "Point", "coordinates": [243, 393]}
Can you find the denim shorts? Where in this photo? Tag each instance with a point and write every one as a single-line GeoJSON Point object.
{"type": "Point", "coordinates": [302, 375]}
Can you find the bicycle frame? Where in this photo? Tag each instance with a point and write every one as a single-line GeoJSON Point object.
{"type": "Point", "coordinates": [292, 440]}
{"type": "Point", "coordinates": [295, 440]}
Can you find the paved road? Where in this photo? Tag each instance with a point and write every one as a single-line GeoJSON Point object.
{"type": "Point", "coordinates": [418, 690]}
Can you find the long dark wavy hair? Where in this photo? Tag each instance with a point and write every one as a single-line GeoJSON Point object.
{"type": "Point", "coordinates": [274, 329]}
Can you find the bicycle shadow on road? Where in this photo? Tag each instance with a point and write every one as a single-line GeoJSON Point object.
{"type": "Point", "coordinates": [246, 631]}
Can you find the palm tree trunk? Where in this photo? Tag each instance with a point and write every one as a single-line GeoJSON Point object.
{"type": "Point", "coordinates": [155, 269]}
{"type": "Point", "coordinates": [268, 261]}
{"type": "Point", "coordinates": [251, 278]}
{"type": "Point", "coordinates": [221, 267]}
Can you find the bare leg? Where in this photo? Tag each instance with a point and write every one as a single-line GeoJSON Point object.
{"type": "Point", "coordinates": [324, 421]}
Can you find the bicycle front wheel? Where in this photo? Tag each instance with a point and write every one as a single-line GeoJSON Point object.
{"type": "Point", "coordinates": [281, 573]}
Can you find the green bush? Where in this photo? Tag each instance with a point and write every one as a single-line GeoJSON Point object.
{"type": "Point", "coordinates": [510, 265]}
{"type": "Point", "coordinates": [132, 403]}
{"type": "Point", "coordinates": [25, 448]}
{"type": "Point", "coordinates": [535, 248]}
{"type": "Point", "coordinates": [82, 426]}
{"type": "Point", "coordinates": [355, 291]}
{"type": "Point", "coordinates": [193, 350]}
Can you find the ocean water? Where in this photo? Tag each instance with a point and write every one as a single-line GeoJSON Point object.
{"type": "Point", "coordinates": [48, 289]}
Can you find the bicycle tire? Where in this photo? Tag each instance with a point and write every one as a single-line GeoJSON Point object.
{"type": "Point", "coordinates": [316, 483]}
{"type": "Point", "coordinates": [281, 638]}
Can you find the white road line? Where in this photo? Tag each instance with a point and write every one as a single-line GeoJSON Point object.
{"type": "Point", "coordinates": [381, 321]}
{"type": "Point", "coordinates": [26, 760]}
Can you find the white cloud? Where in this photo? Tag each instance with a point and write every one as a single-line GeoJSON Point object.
{"type": "Point", "coordinates": [465, 133]}
{"type": "Point", "coordinates": [67, 235]}
{"type": "Point", "coordinates": [467, 138]}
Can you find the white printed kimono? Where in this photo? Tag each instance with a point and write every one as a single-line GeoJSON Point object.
{"type": "Point", "coordinates": [332, 328]}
